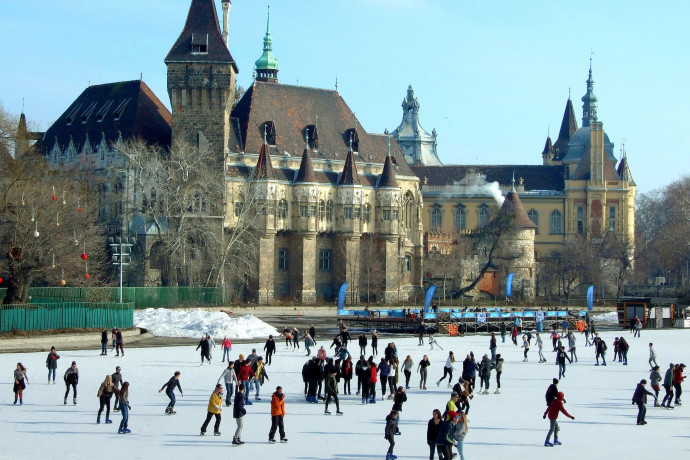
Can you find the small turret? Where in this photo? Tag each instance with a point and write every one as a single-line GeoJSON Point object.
{"type": "Point", "coordinates": [306, 169]}
{"type": "Point", "coordinates": [388, 173]}
{"type": "Point", "coordinates": [267, 65]}
{"type": "Point", "coordinates": [547, 155]}
{"type": "Point", "coordinates": [589, 101]}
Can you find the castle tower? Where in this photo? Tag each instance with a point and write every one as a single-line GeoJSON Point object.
{"type": "Point", "coordinates": [568, 128]}
{"type": "Point", "coordinates": [418, 146]}
{"type": "Point", "coordinates": [589, 101]}
{"type": "Point", "coordinates": [264, 192]}
{"type": "Point", "coordinates": [267, 65]}
{"type": "Point", "coordinates": [201, 80]}
{"type": "Point", "coordinates": [548, 154]}
{"type": "Point", "coordinates": [388, 211]}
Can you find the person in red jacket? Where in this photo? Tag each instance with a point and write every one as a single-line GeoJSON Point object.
{"type": "Point", "coordinates": [277, 415]}
{"type": "Point", "coordinates": [372, 382]}
{"type": "Point", "coordinates": [678, 378]}
{"type": "Point", "coordinates": [555, 407]}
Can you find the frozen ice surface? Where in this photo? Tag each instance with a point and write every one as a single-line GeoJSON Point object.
{"type": "Point", "coordinates": [508, 425]}
{"type": "Point", "coordinates": [178, 323]}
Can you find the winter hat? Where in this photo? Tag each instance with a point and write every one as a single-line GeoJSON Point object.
{"type": "Point", "coordinates": [74, 363]}
{"type": "Point", "coordinates": [52, 348]}
{"type": "Point", "coordinates": [555, 381]}
{"type": "Point", "coordinates": [452, 414]}
{"type": "Point", "coordinates": [454, 394]}
{"type": "Point", "coordinates": [260, 358]}
{"type": "Point", "coordinates": [253, 350]}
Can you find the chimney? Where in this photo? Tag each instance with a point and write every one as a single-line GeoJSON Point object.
{"type": "Point", "coordinates": [226, 19]}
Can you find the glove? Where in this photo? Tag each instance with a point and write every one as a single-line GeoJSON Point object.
{"type": "Point", "coordinates": [572, 418]}
{"type": "Point", "coordinates": [544, 417]}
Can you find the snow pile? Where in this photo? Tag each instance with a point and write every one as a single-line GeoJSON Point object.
{"type": "Point", "coordinates": [606, 318]}
{"type": "Point", "coordinates": [163, 322]}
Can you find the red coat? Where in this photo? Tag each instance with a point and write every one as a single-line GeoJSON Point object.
{"type": "Point", "coordinates": [372, 378]}
{"type": "Point", "coordinates": [555, 407]}
{"type": "Point", "coordinates": [678, 375]}
{"type": "Point", "coordinates": [244, 373]}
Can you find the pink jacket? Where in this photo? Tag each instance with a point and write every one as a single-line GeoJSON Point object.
{"type": "Point", "coordinates": [227, 343]}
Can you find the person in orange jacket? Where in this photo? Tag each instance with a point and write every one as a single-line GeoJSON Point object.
{"type": "Point", "coordinates": [553, 410]}
{"type": "Point", "coordinates": [277, 415]}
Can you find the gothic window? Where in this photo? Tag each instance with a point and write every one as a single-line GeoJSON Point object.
{"type": "Point", "coordinates": [460, 218]}
{"type": "Point", "coordinates": [322, 210]}
{"type": "Point", "coordinates": [329, 210]}
{"type": "Point", "coordinates": [436, 217]}
{"type": "Point", "coordinates": [347, 212]}
{"type": "Point", "coordinates": [483, 216]}
{"type": "Point", "coordinates": [580, 219]}
{"type": "Point", "coordinates": [313, 135]}
{"type": "Point", "coordinates": [408, 263]}
{"type": "Point", "coordinates": [283, 259]}
{"type": "Point", "coordinates": [352, 139]}
{"type": "Point", "coordinates": [367, 213]}
{"type": "Point", "coordinates": [408, 210]}
{"type": "Point", "coordinates": [303, 210]}
{"type": "Point", "coordinates": [386, 215]}
{"type": "Point", "coordinates": [395, 215]}
{"type": "Point", "coordinates": [612, 217]}
{"type": "Point", "coordinates": [356, 212]}
{"type": "Point", "coordinates": [325, 256]}
{"type": "Point", "coordinates": [556, 223]}
{"type": "Point", "coordinates": [312, 210]}
{"type": "Point", "coordinates": [282, 209]}
{"type": "Point", "coordinates": [534, 217]}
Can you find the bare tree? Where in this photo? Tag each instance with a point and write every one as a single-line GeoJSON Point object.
{"type": "Point", "coordinates": [373, 266]}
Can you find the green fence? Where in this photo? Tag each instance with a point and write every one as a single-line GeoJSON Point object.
{"type": "Point", "coordinates": [65, 315]}
{"type": "Point", "coordinates": [141, 297]}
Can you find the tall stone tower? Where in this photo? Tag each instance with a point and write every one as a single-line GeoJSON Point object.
{"type": "Point", "coordinates": [201, 80]}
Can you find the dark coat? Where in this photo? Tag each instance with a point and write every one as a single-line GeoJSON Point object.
{"type": "Point", "coordinates": [432, 431]}
{"type": "Point", "coordinates": [270, 346]}
{"type": "Point", "coordinates": [51, 361]}
{"type": "Point", "coordinates": [238, 411]}
{"type": "Point", "coordinates": [205, 347]}
{"type": "Point", "coordinates": [104, 337]}
{"type": "Point", "coordinates": [640, 395]}
{"type": "Point", "coordinates": [398, 401]}
{"type": "Point", "coordinates": [551, 393]}
{"type": "Point", "coordinates": [445, 432]}
{"type": "Point", "coordinates": [390, 427]}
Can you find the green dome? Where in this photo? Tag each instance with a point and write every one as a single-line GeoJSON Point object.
{"type": "Point", "coordinates": [267, 61]}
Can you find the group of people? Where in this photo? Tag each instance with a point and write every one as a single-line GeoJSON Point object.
{"type": "Point", "coordinates": [117, 340]}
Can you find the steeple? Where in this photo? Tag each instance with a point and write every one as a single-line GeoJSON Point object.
{"type": "Point", "coordinates": [388, 173]}
{"type": "Point", "coordinates": [548, 153]}
{"type": "Point", "coordinates": [306, 169]}
{"type": "Point", "coordinates": [589, 101]}
{"type": "Point", "coordinates": [418, 146]}
{"type": "Point", "coordinates": [568, 128]}
{"type": "Point", "coordinates": [349, 175]}
{"type": "Point", "coordinates": [267, 65]}
{"type": "Point", "coordinates": [624, 169]}
{"type": "Point", "coordinates": [264, 168]}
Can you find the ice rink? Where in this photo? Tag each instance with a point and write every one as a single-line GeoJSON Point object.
{"type": "Point", "coordinates": [507, 425]}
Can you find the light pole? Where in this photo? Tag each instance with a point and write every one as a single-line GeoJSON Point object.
{"type": "Point", "coordinates": [122, 253]}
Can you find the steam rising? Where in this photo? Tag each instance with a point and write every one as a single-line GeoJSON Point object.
{"type": "Point", "coordinates": [474, 184]}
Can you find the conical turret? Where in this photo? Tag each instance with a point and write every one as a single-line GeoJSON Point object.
{"type": "Point", "coordinates": [306, 169]}
{"type": "Point", "coordinates": [388, 173]}
{"type": "Point", "coordinates": [548, 153]}
{"type": "Point", "coordinates": [568, 128]}
{"type": "Point", "coordinates": [349, 175]}
{"type": "Point", "coordinates": [264, 168]}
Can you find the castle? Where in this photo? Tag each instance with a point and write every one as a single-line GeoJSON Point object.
{"type": "Point", "coordinates": [341, 204]}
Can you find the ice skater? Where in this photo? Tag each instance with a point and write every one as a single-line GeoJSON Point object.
{"type": "Point", "coordinates": [51, 363]}
{"type": "Point", "coordinates": [117, 382]}
{"type": "Point", "coordinates": [277, 415]}
{"type": "Point", "coordinates": [374, 343]}
{"type": "Point", "coordinates": [229, 378]}
{"type": "Point", "coordinates": [21, 380]}
{"type": "Point", "coordinates": [238, 413]}
{"type": "Point", "coordinates": [571, 347]}
{"type": "Point", "coordinates": [227, 348]}
{"type": "Point", "coordinates": [623, 351]}
{"type": "Point", "coordinates": [640, 398]}
{"type": "Point", "coordinates": [170, 391]}
{"type": "Point", "coordinates": [432, 342]}
{"type": "Point", "coordinates": [561, 358]}
{"type": "Point", "coordinates": [123, 395]}
{"type": "Point", "coordinates": [525, 345]}
{"type": "Point", "coordinates": [215, 404]}
{"type": "Point", "coordinates": [332, 393]}
{"type": "Point", "coordinates": [104, 342]}
{"type": "Point", "coordinates": [422, 369]}
{"type": "Point", "coordinates": [448, 370]}
{"type": "Point", "coordinates": [654, 379]}
{"type": "Point", "coordinates": [119, 343]}
{"type": "Point", "coordinates": [421, 330]}
{"type": "Point", "coordinates": [652, 356]}
{"type": "Point", "coordinates": [105, 394]}
{"type": "Point", "coordinates": [389, 434]}
{"type": "Point", "coordinates": [678, 378]}
{"type": "Point", "coordinates": [540, 348]}
{"type": "Point", "coordinates": [270, 348]}
{"type": "Point", "coordinates": [668, 386]}
{"type": "Point", "coordinates": [205, 350]}
{"type": "Point", "coordinates": [71, 379]}
{"type": "Point", "coordinates": [553, 410]}
{"type": "Point", "coordinates": [499, 371]}
{"type": "Point", "coordinates": [600, 349]}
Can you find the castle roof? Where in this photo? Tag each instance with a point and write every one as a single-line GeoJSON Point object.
{"type": "Point", "coordinates": [512, 214]}
{"type": "Point", "coordinates": [624, 170]}
{"type": "Point", "coordinates": [388, 174]}
{"type": "Point", "coordinates": [201, 39]}
{"type": "Point", "coordinates": [583, 171]}
{"type": "Point", "coordinates": [568, 128]}
{"type": "Point", "coordinates": [548, 147]}
{"type": "Point", "coordinates": [294, 111]}
{"type": "Point", "coordinates": [349, 176]}
{"type": "Point", "coordinates": [128, 109]}
{"type": "Point", "coordinates": [264, 168]}
{"type": "Point", "coordinates": [535, 177]}
{"type": "Point", "coordinates": [306, 169]}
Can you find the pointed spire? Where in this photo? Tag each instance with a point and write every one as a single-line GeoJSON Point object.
{"type": "Point", "coordinates": [548, 148]}
{"type": "Point", "coordinates": [568, 128]}
{"type": "Point", "coordinates": [306, 169]}
{"type": "Point", "coordinates": [264, 168]}
{"type": "Point", "coordinates": [624, 170]}
{"type": "Point", "coordinates": [349, 175]}
{"type": "Point", "coordinates": [512, 215]}
{"type": "Point", "coordinates": [589, 101]}
{"type": "Point", "coordinates": [267, 65]}
{"type": "Point", "coordinates": [388, 174]}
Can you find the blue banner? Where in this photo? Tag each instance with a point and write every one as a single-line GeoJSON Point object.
{"type": "Point", "coordinates": [590, 298]}
{"type": "Point", "coordinates": [509, 284]}
{"type": "Point", "coordinates": [429, 296]}
{"type": "Point", "coordinates": [341, 296]}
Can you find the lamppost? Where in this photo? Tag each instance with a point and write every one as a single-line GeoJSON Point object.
{"type": "Point", "coordinates": [122, 253]}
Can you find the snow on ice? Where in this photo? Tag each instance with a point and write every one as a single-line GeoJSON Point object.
{"type": "Point", "coordinates": [163, 322]}
{"type": "Point", "coordinates": [506, 425]}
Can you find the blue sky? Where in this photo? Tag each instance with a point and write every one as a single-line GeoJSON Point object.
{"type": "Point", "coordinates": [490, 76]}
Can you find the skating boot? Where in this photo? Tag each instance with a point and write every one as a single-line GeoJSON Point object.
{"type": "Point", "coordinates": [498, 391]}
{"type": "Point", "coordinates": [547, 444]}
{"type": "Point", "coordinates": [556, 442]}
{"type": "Point", "coordinates": [65, 401]}
{"type": "Point", "coordinates": [74, 401]}
{"type": "Point", "coordinates": [283, 439]}
{"type": "Point", "coordinates": [216, 433]}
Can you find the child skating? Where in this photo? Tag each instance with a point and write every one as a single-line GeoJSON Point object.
{"type": "Point", "coordinates": [553, 410]}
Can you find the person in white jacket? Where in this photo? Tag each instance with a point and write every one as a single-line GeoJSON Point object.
{"type": "Point", "coordinates": [211, 344]}
{"type": "Point", "coordinates": [230, 379]}
{"type": "Point", "coordinates": [652, 356]}
{"type": "Point", "coordinates": [448, 370]}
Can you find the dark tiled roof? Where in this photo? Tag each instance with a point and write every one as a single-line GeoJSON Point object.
{"type": "Point", "coordinates": [536, 177]}
{"type": "Point", "coordinates": [306, 169]}
{"type": "Point", "coordinates": [583, 168]}
{"type": "Point", "coordinates": [202, 25]}
{"type": "Point", "coordinates": [292, 109]}
{"type": "Point", "coordinates": [512, 214]}
{"type": "Point", "coordinates": [548, 147]}
{"type": "Point", "coordinates": [349, 175]}
{"type": "Point", "coordinates": [388, 174]}
{"type": "Point", "coordinates": [264, 168]}
{"type": "Point", "coordinates": [568, 128]}
{"type": "Point", "coordinates": [624, 171]}
{"type": "Point", "coordinates": [126, 108]}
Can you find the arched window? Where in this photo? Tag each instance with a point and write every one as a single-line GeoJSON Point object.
{"type": "Point", "coordinates": [367, 213]}
{"type": "Point", "coordinates": [322, 210]}
{"type": "Point", "coordinates": [329, 210]}
{"type": "Point", "coordinates": [436, 217]}
{"type": "Point", "coordinates": [408, 210]}
{"type": "Point", "coordinates": [460, 218]}
{"type": "Point", "coordinates": [239, 205]}
{"type": "Point", "coordinates": [483, 215]}
{"type": "Point", "coordinates": [282, 209]}
{"type": "Point", "coordinates": [556, 223]}
{"type": "Point", "coordinates": [534, 217]}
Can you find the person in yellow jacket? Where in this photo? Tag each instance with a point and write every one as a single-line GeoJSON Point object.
{"type": "Point", "coordinates": [214, 407]}
{"type": "Point", "coordinates": [259, 376]}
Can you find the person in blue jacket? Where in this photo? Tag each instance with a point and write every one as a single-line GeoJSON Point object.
{"type": "Point", "coordinates": [384, 371]}
{"type": "Point", "coordinates": [238, 413]}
